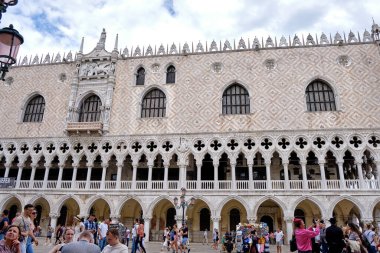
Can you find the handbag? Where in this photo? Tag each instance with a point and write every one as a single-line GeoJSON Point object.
{"type": "Point", "coordinates": [293, 244]}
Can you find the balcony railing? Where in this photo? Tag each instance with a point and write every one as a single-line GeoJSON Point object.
{"type": "Point", "coordinates": [204, 185]}
{"type": "Point", "coordinates": [84, 127]}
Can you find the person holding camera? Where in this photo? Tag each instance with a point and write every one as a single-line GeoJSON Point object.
{"type": "Point", "coordinates": [304, 236]}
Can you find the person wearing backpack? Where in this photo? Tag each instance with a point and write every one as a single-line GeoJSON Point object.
{"type": "Point", "coordinates": [369, 238]}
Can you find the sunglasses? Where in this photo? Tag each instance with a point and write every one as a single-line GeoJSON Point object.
{"type": "Point", "coordinates": [34, 213]}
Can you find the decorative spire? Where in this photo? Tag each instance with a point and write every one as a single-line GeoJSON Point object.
{"type": "Point", "coordinates": [81, 46]}
{"type": "Point", "coordinates": [102, 40]}
{"type": "Point", "coordinates": [116, 42]}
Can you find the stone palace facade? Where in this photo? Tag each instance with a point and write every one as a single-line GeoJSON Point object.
{"type": "Point", "coordinates": [255, 130]}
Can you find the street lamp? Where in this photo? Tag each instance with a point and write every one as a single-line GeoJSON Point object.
{"type": "Point", "coordinates": [10, 41]}
{"type": "Point", "coordinates": [183, 203]}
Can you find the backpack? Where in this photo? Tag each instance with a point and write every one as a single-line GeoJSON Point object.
{"type": "Point", "coordinates": [365, 241]}
{"type": "Point", "coordinates": [293, 244]}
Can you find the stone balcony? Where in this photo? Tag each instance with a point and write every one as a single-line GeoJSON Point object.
{"type": "Point", "coordinates": [203, 186]}
{"type": "Point", "coordinates": [84, 128]}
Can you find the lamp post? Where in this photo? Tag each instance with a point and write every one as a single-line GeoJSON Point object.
{"type": "Point", "coordinates": [10, 41]}
{"type": "Point", "coordinates": [183, 203]}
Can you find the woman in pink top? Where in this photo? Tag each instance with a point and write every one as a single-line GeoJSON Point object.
{"type": "Point", "coordinates": [303, 236]}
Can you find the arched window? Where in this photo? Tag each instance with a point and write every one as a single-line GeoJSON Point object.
{"type": "Point", "coordinates": [154, 104]}
{"type": "Point", "coordinates": [34, 111]}
{"type": "Point", "coordinates": [236, 100]}
{"type": "Point", "coordinates": [320, 97]}
{"type": "Point", "coordinates": [170, 74]}
{"type": "Point", "coordinates": [140, 76]}
{"type": "Point", "coordinates": [90, 109]}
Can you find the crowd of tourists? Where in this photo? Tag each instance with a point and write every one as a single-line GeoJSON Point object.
{"type": "Point", "coordinates": [318, 238]}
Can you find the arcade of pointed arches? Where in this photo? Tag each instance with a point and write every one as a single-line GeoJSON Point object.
{"type": "Point", "coordinates": [203, 215]}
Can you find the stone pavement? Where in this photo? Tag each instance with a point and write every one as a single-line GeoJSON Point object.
{"type": "Point", "coordinates": [155, 247]}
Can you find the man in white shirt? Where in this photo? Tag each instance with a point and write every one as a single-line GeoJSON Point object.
{"type": "Point", "coordinates": [279, 235]}
{"type": "Point", "coordinates": [102, 232]}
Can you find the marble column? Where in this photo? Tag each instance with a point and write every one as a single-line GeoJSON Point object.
{"type": "Point", "coordinates": [147, 227]}
{"type": "Point", "coordinates": [286, 175]}
{"type": "Point", "coordinates": [215, 222]}
{"type": "Point", "coordinates": [150, 168]}
{"type": "Point", "coordinates": [134, 176]}
{"type": "Point", "coordinates": [59, 180]}
{"type": "Point", "coordinates": [53, 219]}
{"type": "Point", "coordinates": [304, 175]}
{"type": "Point", "coordinates": [88, 178]}
{"type": "Point", "coordinates": [32, 176]}
{"type": "Point", "coordinates": [166, 175]}
{"type": "Point", "coordinates": [289, 229]}
{"type": "Point", "coordinates": [250, 176]}
{"type": "Point", "coordinates": [233, 176]}
{"type": "Point", "coordinates": [360, 173]}
{"type": "Point", "coordinates": [74, 177]}
{"type": "Point", "coordinates": [267, 168]}
{"type": "Point", "coordinates": [18, 180]}
{"type": "Point", "coordinates": [46, 177]}
{"type": "Point", "coordinates": [341, 175]}
{"type": "Point", "coordinates": [323, 175]}
{"type": "Point", "coordinates": [199, 178]}
{"type": "Point", "coordinates": [118, 176]}
{"type": "Point", "coordinates": [103, 181]}
{"type": "Point", "coordinates": [216, 184]}
{"type": "Point", "coordinates": [7, 168]}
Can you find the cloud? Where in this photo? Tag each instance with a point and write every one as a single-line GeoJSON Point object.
{"type": "Point", "coordinates": [58, 26]}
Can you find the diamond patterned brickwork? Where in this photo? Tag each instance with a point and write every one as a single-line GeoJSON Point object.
{"type": "Point", "coordinates": [194, 101]}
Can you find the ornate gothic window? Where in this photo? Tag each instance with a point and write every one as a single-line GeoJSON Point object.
{"type": "Point", "coordinates": [170, 74]}
{"type": "Point", "coordinates": [236, 100]}
{"type": "Point", "coordinates": [140, 76]}
{"type": "Point", "coordinates": [320, 97]}
{"type": "Point", "coordinates": [90, 109]}
{"type": "Point", "coordinates": [154, 104]}
{"type": "Point", "coordinates": [34, 111]}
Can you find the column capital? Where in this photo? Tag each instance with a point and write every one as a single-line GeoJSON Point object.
{"type": "Point", "coordinates": [367, 220]}
{"type": "Point", "coordinates": [288, 219]}
{"type": "Point", "coordinates": [252, 220]}
{"type": "Point", "coordinates": [215, 218]}
{"type": "Point", "coordinates": [147, 218]}
{"type": "Point", "coordinates": [54, 215]}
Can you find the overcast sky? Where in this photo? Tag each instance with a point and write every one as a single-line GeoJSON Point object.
{"type": "Point", "coordinates": [52, 26]}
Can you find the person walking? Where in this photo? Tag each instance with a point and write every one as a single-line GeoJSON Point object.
{"type": "Point", "coordinates": [334, 237]}
{"type": "Point", "coordinates": [102, 232]}
{"type": "Point", "coordinates": [304, 236]}
{"type": "Point", "coordinates": [322, 237]}
{"type": "Point", "coordinates": [279, 237]}
{"type": "Point", "coordinates": [205, 237]}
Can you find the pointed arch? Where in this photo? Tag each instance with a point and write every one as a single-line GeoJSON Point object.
{"type": "Point", "coordinates": [150, 208]}
{"type": "Point", "coordinates": [140, 76]}
{"type": "Point", "coordinates": [235, 100]}
{"type": "Point", "coordinates": [95, 198]}
{"type": "Point", "coordinates": [125, 199]}
{"type": "Point", "coordinates": [153, 104]}
{"type": "Point", "coordinates": [34, 108]}
{"type": "Point", "coordinates": [239, 199]}
{"type": "Point", "coordinates": [271, 198]}
{"type": "Point", "coordinates": [90, 109]}
{"type": "Point", "coordinates": [57, 207]}
{"type": "Point", "coordinates": [170, 74]}
{"type": "Point", "coordinates": [353, 200]}
{"type": "Point", "coordinates": [313, 200]}
{"type": "Point", "coordinates": [320, 96]}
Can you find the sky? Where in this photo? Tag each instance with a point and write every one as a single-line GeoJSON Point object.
{"type": "Point", "coordinates": [57, 26]}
